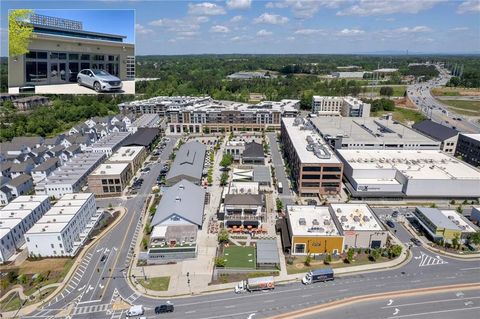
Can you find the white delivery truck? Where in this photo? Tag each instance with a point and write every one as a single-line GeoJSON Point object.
{"type": "Point", "coordinates": [254, 284]}
{"type": "Point", "coordinates": [135, 311]}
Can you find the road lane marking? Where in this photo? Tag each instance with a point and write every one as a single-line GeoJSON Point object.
{"type": "Point", "coordinates": [433, 312]}
{"type": "Point", "coordinates": [230, 306]}
{"type": "Point", "coordinates": [427, 302]}
{"type": "Point", "coordinates": [191, 311]}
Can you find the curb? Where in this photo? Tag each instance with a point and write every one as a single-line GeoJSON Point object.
{"type": "Point", "coordinates": [71, 271]}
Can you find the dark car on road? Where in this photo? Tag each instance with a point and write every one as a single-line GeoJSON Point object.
{"type": "Point", "coordinates": [416, 241]}
{"type": "Point", "coordinates": [164, 308]}
{"type": "Point", "coordinates": [395, 214]}
{"type": "Point", "coordinates": [390, 224]}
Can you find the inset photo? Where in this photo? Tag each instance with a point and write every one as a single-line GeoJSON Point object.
{"type": "Point", "coordinates": [71, 51]}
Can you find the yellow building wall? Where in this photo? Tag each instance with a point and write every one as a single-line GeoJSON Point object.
{"type": "Point", "coordinates": [319, 244]}
{"type": "Point", "coordinates": [448, 234]}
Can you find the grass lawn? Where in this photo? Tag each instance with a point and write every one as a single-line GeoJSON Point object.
{"type": "Point", "coordinates": [452, 91]}
{"type": "Point", "coordinates": [397, 90]}
{"type": "Point", "coordinates": [471, 108]}
{"type": "Point", "coordinates": [403, 115]}
{"type": "Point", "coordinates": [239, 257]}
{"type": "Point", "coordinates": [156, 283]}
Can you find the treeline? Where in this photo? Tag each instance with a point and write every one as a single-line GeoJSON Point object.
{"type": "Point", "coordinates": [466, 69]}
{"type": "Point", "coordinates": [381, 105]}
{"type": "Point", "coordinates": [427, 71]}
{"type": "Point", "coordinates": [65, 112]}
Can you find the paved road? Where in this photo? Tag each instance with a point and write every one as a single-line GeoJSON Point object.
{"type": "Point", "coordinates": [419, 94]}
{"type": "Point", "coordinates": [287, 197]}
{"type": "Point", "coordinates": [454, 304]}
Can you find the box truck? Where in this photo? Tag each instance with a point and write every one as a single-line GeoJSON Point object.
{"type": "Point", "coordinates": [254, 284]}
{"type": "Point", "coordinates": [316, 275]}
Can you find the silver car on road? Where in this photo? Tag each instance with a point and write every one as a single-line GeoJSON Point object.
{"type": "Point", "coordinates": [99, 80]}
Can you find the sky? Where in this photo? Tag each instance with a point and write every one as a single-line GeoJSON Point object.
{"type": "Point", "coordinates": [283, 26]}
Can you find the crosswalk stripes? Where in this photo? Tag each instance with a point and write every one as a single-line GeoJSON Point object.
{"type": "Point", "coordinates": [427, 260]}
{"type": "Point", "coordinates": [131, 299]}
{"type": "Point", "coordinates": [91, 309]}
{"type": "Point", "coordinates": [116, 315]}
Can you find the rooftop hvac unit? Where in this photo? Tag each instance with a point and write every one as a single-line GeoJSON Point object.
{"type": "Point", "coordinates": [315, 222]}
{"type": "Point", "coordinates": [356, 219]}
{"type": "Point", "coordinates": [366, 219]}
{"type": "Point", "coordinates": [302, 221]}
{"type": "Point", "coordinates": [326, 222]}
{"type": "Point", "coordinates": [343, 219]}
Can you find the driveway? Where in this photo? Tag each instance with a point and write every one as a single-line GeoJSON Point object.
{"type": "Point", "coordinates": [287, 197]}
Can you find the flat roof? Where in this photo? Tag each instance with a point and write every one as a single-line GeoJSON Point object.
{"type": "Point", "coordinates": [146, 120]}
{"type": "Point", "coordinates": [437, 218]}
{"type": "Point", "coordinates": [369, 130]}
{"type": "Point", "coordinates": [459, 221]}
{"type": "Point", "coordinates": [110, 169]}
{"type": "Point", "coordinates": [414, 164]}
{"type": "Point", "coordinates": [243, 188]}
{"type": "Point", "coordinates": [126, 154]}
{"type": "Point", "coordinates": [472, 136]}
{"type": "Point", "coordinates": [111, 140]}
{"type": "Point", "coordinates": [356, 217]}
{"type": "Point", "coordinates": [302, 135]}
{"type": "Point", "coordinates": [309, 220]}
{"type": "Point", "coordinates": [267, 251]}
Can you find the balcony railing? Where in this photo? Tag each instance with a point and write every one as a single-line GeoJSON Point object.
{"type": "Point", "coordinates": [243, 217]}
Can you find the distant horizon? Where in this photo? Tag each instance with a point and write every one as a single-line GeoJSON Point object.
{"type": "Point", "coordinates": [198, 27]}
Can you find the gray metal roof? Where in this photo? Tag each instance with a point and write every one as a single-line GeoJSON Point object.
{"type": "Point", "coordinates": [142, 137]}
{"type": "Point", "coordinates": [435, 130]}
{"type": "Point", "coordinates": [267, 252]}
{"type": "Point", "coordinates": [243, 199]}
{"type": "Point", "coordinates": [189, 161]}
{"type": "Point", "coordinates": [49, 163]}
{"type": "Point", "coordinates": [183, 199]}
{"type": "Point", "coordinates": [261, 174]}
{"type": "Point", "coordinates": [19, 180]}
{"type": "Point", "coordinates": [253, 150]}
{"type": "Point", "coordinates": [437, 218]}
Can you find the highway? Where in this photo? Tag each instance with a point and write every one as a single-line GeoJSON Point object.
{"type": "Point", "coordinates": [92, 299]}
{"type": "Point", "coordinates": [420, 95]}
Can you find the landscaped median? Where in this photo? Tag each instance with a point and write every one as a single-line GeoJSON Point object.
{"type": "Point", "coordinates": [155, 283]}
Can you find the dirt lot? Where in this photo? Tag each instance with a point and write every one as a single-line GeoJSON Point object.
{"type": "Point", "coordinates": [405, 103]}
{"type": "Point", "coordinates": [38, 266]}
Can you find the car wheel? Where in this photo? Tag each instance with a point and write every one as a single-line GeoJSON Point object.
{"type": "Point", "coordinates": [97, 87]}
{"type": "Point", "coordinates": [79, 81]}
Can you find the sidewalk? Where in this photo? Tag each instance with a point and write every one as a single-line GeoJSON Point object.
{"type": "Point", "coordinates": [28, 309]}
{"type": "Point", "coordinates": [427, 246]}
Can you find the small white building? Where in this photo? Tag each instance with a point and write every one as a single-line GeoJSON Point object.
{"type": "Point", "coordinates": [64, 229]}
{"type": "Point", "coordinates": [361, 228]}
{"type": "Point", "coordinates": [235, 148]}
{"type": "Point", "coordinates": [108, 144]}
{"type": "Point", "coordinates": [346, 106]}
{"type": "Point", "coordinates": [146, 120]}
{"type": "Point", "coordinates": [16, 219]}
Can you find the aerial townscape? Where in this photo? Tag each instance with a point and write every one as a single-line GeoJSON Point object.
{"type": "Point", "coordinates": [254, 173]}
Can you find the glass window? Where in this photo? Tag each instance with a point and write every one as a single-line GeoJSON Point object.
{"type": "Point", "coordinates": [84, 66]}
{"type": "Point", "coordinates": [42, 55]}
{"type": "Point", "coordinates": [104, 181]}
{"type": "Point", "coordinates": [62, 56]}
{"type": "Point", "coordinates": [53, 55]}
{"type": "Point", "coordinates": [111, 58]}
{"type": "Point", "coordinates": [31, 71]}
{"type": "Point", "coordinates": [85, 57]}
{"type": "Point", "coordinates": [331, 169]}
{"type": "Point", "coordinates": [105, 189]}
{"type": "Point", "coordinates": [299, 248]}
{"type": "Point", "coordinates": [311, 169]}
{"type": "Point", "coordinates": [99, 57]}
{"type": "Point", "coordinates": [73, 56]}
{"type": "Point", "coordinates": [31, 55]}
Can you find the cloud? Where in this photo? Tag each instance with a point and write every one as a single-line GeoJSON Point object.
{"type": "Point", "coordinates": [141, 30]}
{"type": "Point", "coordinates": [239, 4]}
{"type": "Point", "coordinates": [469, 6]}
{"type": "Point", "coordinates": [205, 9]}
{"type": "Point", "coordinates": [236, 19]}
{"type": "Point", "coordinates": [460, 29]}
{"type": "Point", "coordinates": [290, 38]}
{"type": "Point", "coordinates": [264, 33]}
{"type": "Point", "coordinates": [382, 7]}
{"type": "Point", "coordinates": [417, 29]}
{"type": "Point", "coordinates": [240, 38]}
{"type": "Point", "coordinates": [156, 23]}
{"type": "Point", "coordinates": [268, 18]}
{"type": "Point", "coordinates": [219, 29]}
{"type": "Point", "coordinates": [308, 31]}
{"type": "Point", "coordinates": [185, 26]}
{"type": "Point", "coordinates": [351, 32]}
{"type": "Point", "coordinates": [305, 9]}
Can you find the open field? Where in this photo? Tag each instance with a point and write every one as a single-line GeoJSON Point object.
{"type": "Point", "coordinates": [398, 90]}
{"type": "Point", "coordinates": [469, 108]}
{"type": "Point", "coordinates": [239, 257]}
{"type": "Point", "coordinates": [156, 283]}
{"type": "Point", "coordinates": [450, 91]}
{"type": "Point", "coordinates": [403, 115]}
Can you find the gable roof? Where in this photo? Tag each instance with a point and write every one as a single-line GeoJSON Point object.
{"type": "Point", "coordinates": [19, 180]}
{"type": "Point", "coordinates": [189, 161]}
{"type": "Point", "coordinates": [183, 199]}
{"type": "Point", "coordinates": [142, 137]}
{"type": "Point", "coordinates": [30, 141]}
{"type": "Point", "coordinates": [435, 130]}
{"type": "Point", "coordinates": [49, 163]}
{"type": "Point", "coordinates": [253, 149]}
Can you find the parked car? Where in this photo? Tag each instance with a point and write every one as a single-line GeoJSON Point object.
{"type": "Point", "coordinates": [416, 241]}
{"type": "Point", "coordinates": [104, 257]}
{"type": "Point", "coordinates": [390, 224]}
{"type": "Point", "coordinates": [164, 308]}
{"type": "Point", "coordinates": [395, 214]}
{"type": "Point", "coordinates": [99, 80]}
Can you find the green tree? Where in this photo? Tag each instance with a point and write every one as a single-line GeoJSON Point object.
{"type": "Point", "coordinates": [328, 259]}
{"type": "Point", "coordinates": [374, 254]}
{"type": "Point", "coordinates": [308, 260]}
{"type": "Point", "coordinates": [350, 254]}
{"type": "Point", "coordinates": [456, 241]}
{"type": "Point", "coordinates": [460, 209]}
{"type": "Point", "coordinates": [22, 279]}
{"type": "Point", "coordinates": [395, 251]}
{"type": "Point", "coordinates": [227, 160]}
{"type": "Point", "coordinates": [223, 236]}
{"type": "Point", "coordinates": [145, 243]}
{"type": "Point", "coordinates": [19, 32]}
{"type": "Point", "coordinates": [220, 262]}
{"type": "Point", "coordinates": [223, 179]}
{"type": "Point", "coordinates": [279, 204]}
{"type": "Point", "coordinates": [386, 91]}
{"type": "Point", "coordinates": [475, 238]}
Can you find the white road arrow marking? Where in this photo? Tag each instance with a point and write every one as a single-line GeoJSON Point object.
{"type": "Point", "coordinates": [390, 302]}
{"type": "Point", "coordinates": [81, 288]}
{"type": "Point", "coordinates": [396, 311]}
{"type": "Point", "coordinates": [114, 248]}
{"type": "Point", "coordinates": [418, 257]}
{"type": "Point", "coordinates": [251, 316]}
{"type": "Point", "coordinates": [468, 303]}
{"type": "Point", "coordinates": [99, 250]}
{"type": "Point", "coordinates": [101, 286]}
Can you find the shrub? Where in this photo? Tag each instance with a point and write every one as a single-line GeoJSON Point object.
{"type": "Point", "coordinates": [328, 259]}
{"type": "Point", "coordinates": [220, 262]}
{"type": "Point", "coordinates": [395, 251]}
{"type": "Point", "coordinates": [223, 236]}
{"type": "Point", "coordinates": [308, 260]}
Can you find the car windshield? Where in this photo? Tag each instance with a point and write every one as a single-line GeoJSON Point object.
{"type": "Point", "coordinates": [100, 72]}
